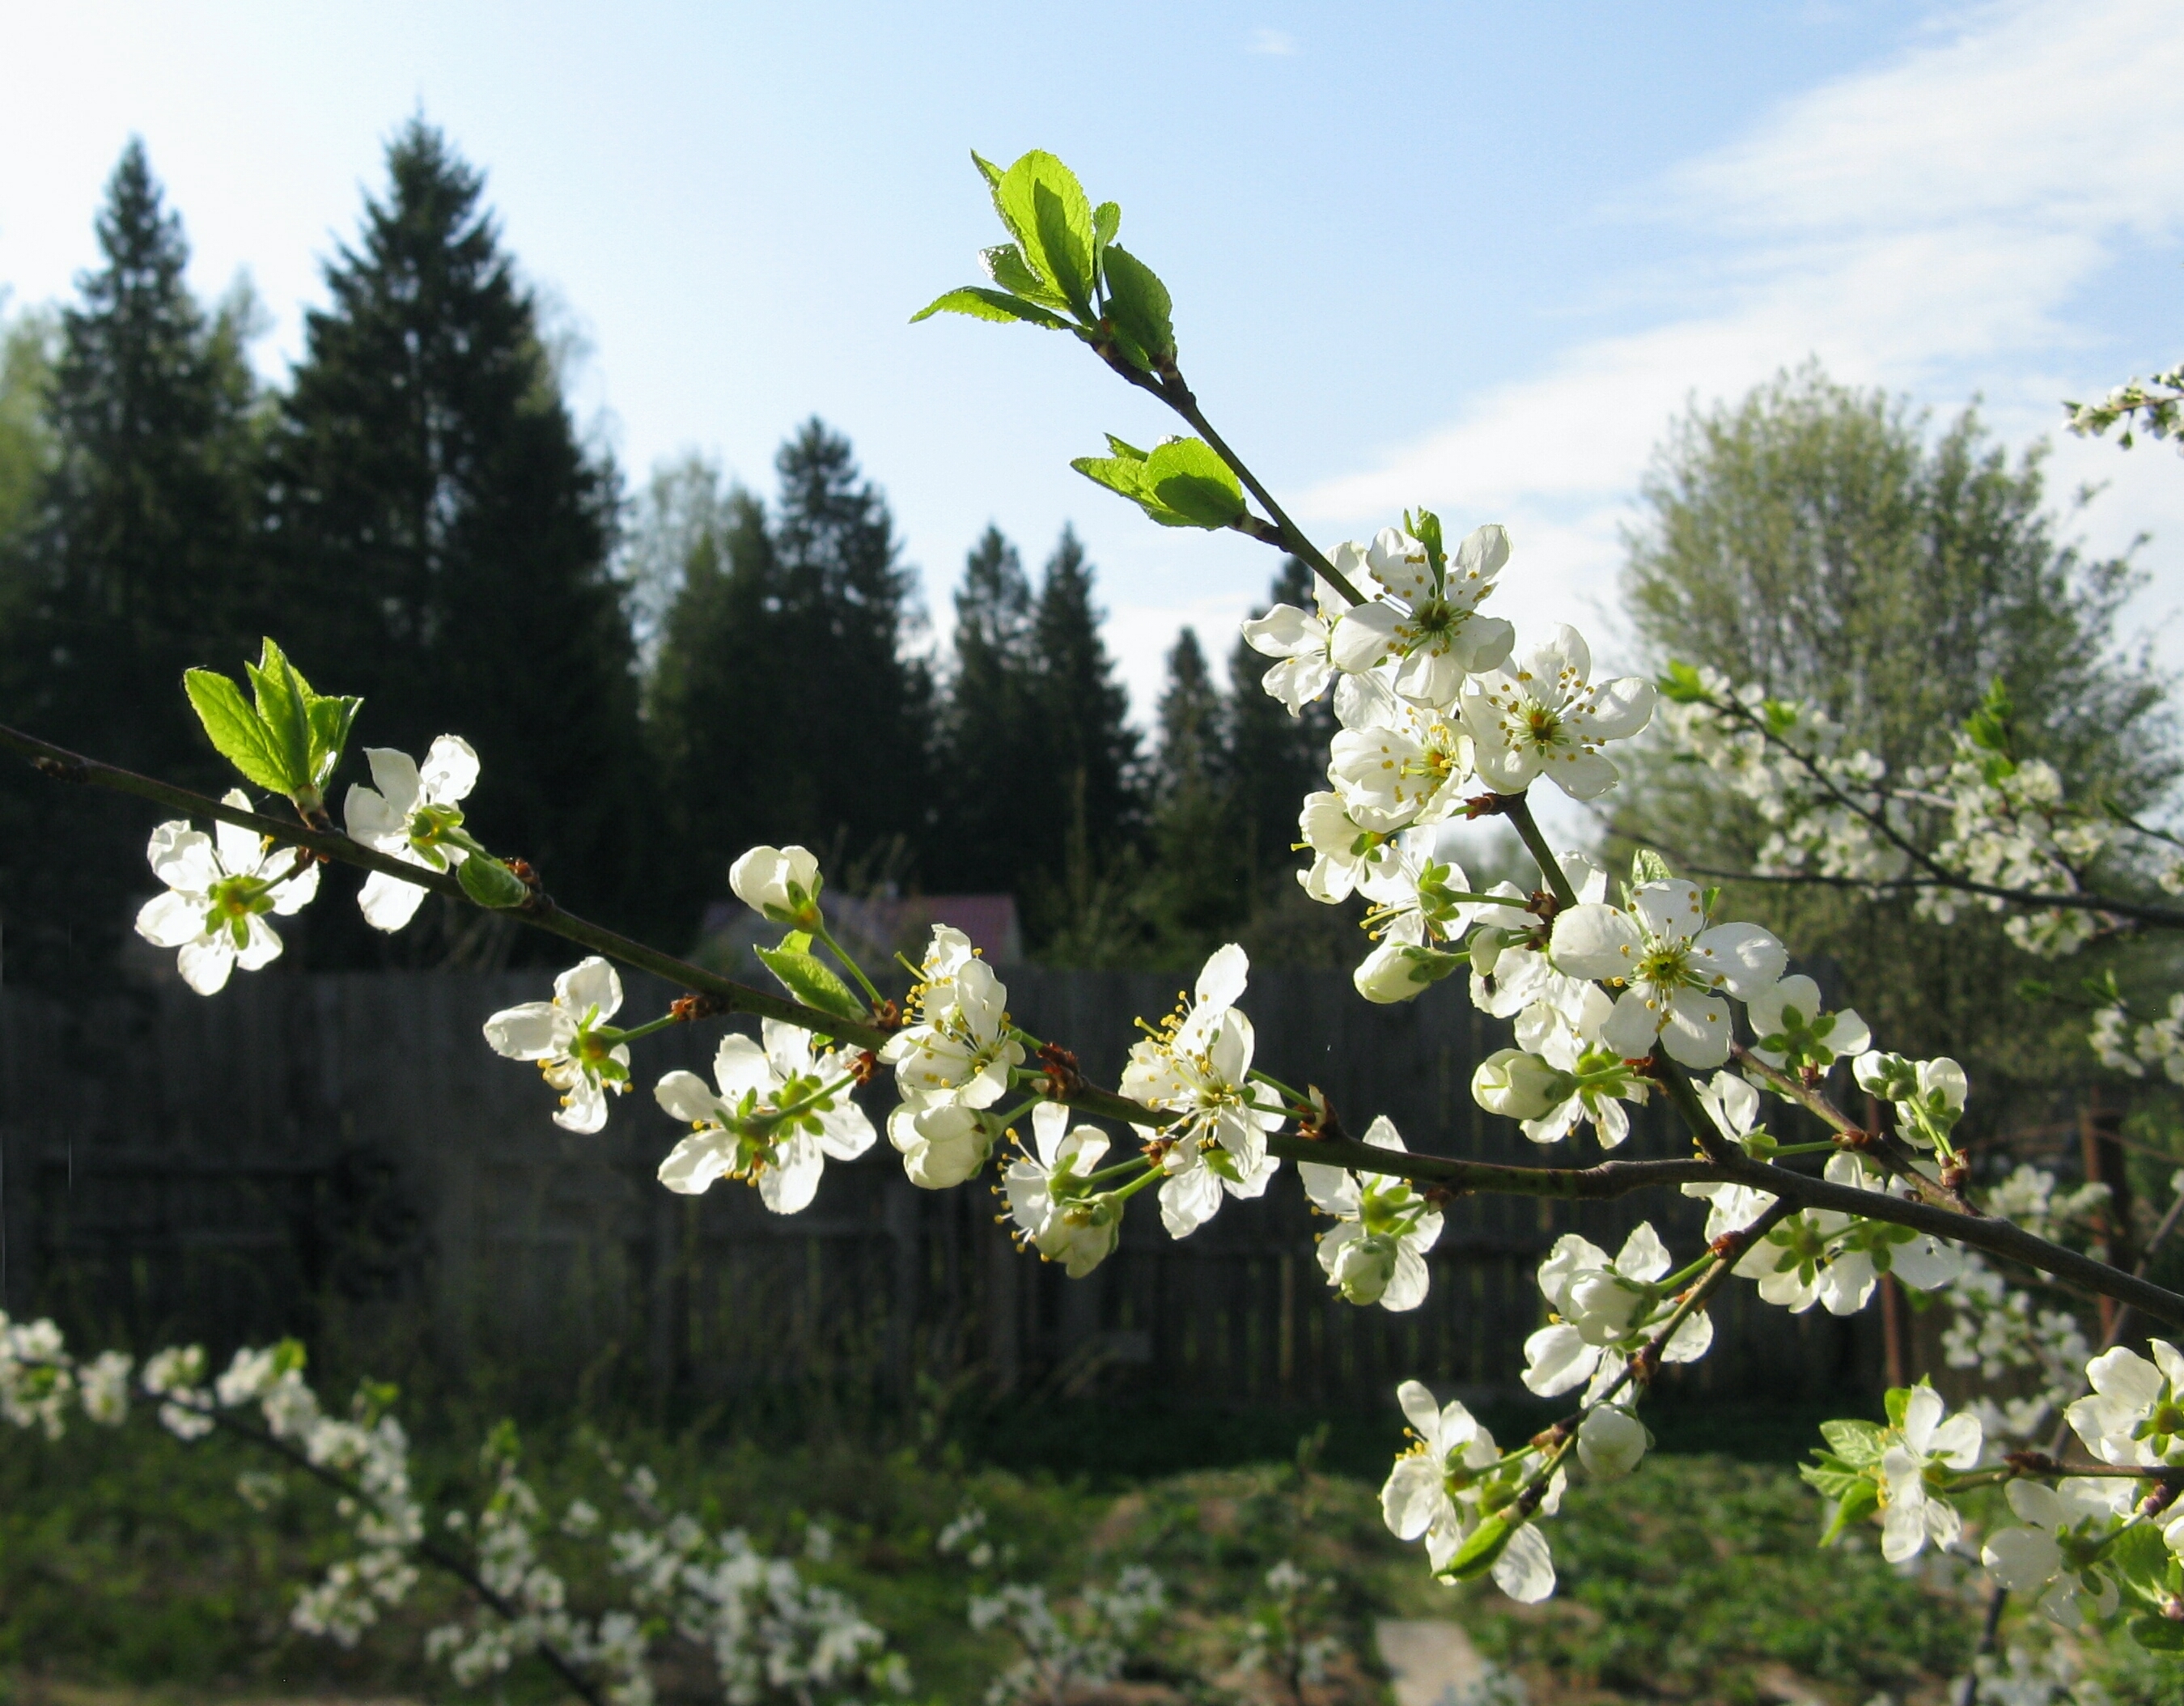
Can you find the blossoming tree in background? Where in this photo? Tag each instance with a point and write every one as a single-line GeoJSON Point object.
{"type": "Point", "coordinates": [1625, 989]}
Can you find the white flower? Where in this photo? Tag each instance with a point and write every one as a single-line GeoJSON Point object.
{"type": "Point", "coordinates": [942, 1143]}
{"type": "Point", "coordinates": [1300, 640]}
{"type": "Point", "coordinates": [1545, 718]}
{"type": "Point", "coordinates": [1563, 1029]}
{"type": "Point", "coordinates": [1414, 891]}
{"type": "Point", "coordinates": [1440, 1490]}
{"type": "Point", "coordinates": [781, 883]}
{"type": "Point", "coordinates": [1929, 1095]}
{"type": "Point", "coordinates": [1344, 852]}
{"type": "Point", "coordinates": [781, 1111]}
{"type": "Point", "coordinates": [412, 815]}
{"type": "Point", "coordinates": [219, 888]}
{"type": "Point", "coordinates": [102, 1387]}
{"type": "Point", "coordinates": [1403, 765]}
{"type": "Point", "coordinates": [1611, 1441]}
{"type": "Point", "coordinates": [1377, 1254]}
{"type": "Point", "coordinates": [1048, 1198]}
{"type": "Point", "coordinates": [1198, 1064]}
{"type": "Point", "coordinates": [962, 1047]}
{"type": "Point", "coordinates": [1673, 968]}
{"type": "Point", "coordinates": [1429, 626]}
{"type": "Point", "coordinates": [577, 1051]}
{"type": "Point", "coordinates": [1510, 970]}
{"type": "Point", "coordinates": [2044, 1558]}
{"type": "Point", "coordinates": [1926, 1444]}
{"type": "Point", "coordinates": [1606, 1306]}
{"type": "Point", "coordinates": [2135, 1416]}
{"type": "Point", "coordinates": [1793, 1030]}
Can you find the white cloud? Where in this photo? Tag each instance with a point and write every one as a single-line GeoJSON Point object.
{"type": "Point", "coordinates": [1932, 225]}
{"type": "Point", "coordinates": [1279, 43]}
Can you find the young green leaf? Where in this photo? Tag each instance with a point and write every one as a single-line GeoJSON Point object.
{"type": "Point", "coordinates": [236, 733]}
{"type": "Point", "coordinates": [981, 303]}
{"type": "Point", "coordinates": [811, 981]}
{"type": "Point", "coordinates": [1648, 866]}
{"type": "Point", "coordinates": [1106, 220]}
{"type": "Point", "coordinates": [1857, 1443]}
{"type": "Point", "coordinates": [2158, 1634]}
{"type": "Point", "coordinates": [2142, 1560]}
{"type": "Point", "coordinates": [1855, 1506]}
{"type": "Point", "coordinates": [1681, 684]}
{"type": "Point", "coordinates": [987, 170]}
{"type": "Point", "coordinates": [1005, 266]}
{"type": "Point", "coordinates": [1139, 305]}
{"type": "Point", "coordinates": [1185, 475]}
{"type": "Point", "coordinates": [1047, 212]}
{"type": "Point", "coordinates": [1897, 1400]}
{"type": "Point", "coordinates": [331, 718]}
{"type": "Point", "coordinates": [284, 712]}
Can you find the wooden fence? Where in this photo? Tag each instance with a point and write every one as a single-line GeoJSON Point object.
{"type": "Point", "coordinates": [342, 1157]}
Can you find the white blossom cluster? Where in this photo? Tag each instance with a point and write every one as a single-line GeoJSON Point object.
{"type": "Point", "coordinates": [1079, 1646]}
{"type": "Point", "coordinates": [771, 1634]}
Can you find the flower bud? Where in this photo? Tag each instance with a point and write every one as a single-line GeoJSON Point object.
{"type": "Point", "coordinates": [1395, 972]}
{"type": "Point", "coordinates": [1611, 1441]}
{"type": "Point", "coordinates": [781, 884]}
{"type": "Point", "coordinates": [1519, 1085]}
{"type": "Point", "coordinates": [1362, 1269]}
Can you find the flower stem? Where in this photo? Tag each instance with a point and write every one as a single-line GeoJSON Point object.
{"type": "Point", "coordinates": [856, 971]}
{"type": "Point", "coordinates": [1519, 812]}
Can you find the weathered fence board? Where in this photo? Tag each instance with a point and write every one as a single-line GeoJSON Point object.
{"type": "Point", "coordinates": [341, 1156]}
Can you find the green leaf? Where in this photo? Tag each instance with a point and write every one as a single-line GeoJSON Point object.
{"type": "Point", "coordinates": [1049, 215]}
{"type": "Point", "coordinates": [2142, 1558]}
{"type": "Point", "coordinates": [1898, 1402]}
{"type": "Point", "coordinates": [284, 711]}
{"type": "Point", "coordinates": [987, 170]}
{"type": "Point", "coordinates": [1648, 866]}
{"type": "Point", "coordinates": [331, 718]}
{"type": "Point", "coordinates": [2158, 1634]}
{"type": "Point", "coordinates": [1185, 475]}
{"type": "Point", "coordinates": [1854, 1506]}
{"type": "Point", "coordinates": [981, 303]}
{"type": "Point", "coordinates": [1476, 1556]}
{"type": "Point", "coordinates": [810, 980]}
{"type": "Point", "coordinates": [236, 733]}
{"type": "Point", "coordinates": [1681, 684]}
{"type": "Point", "coordinates": [1005, 266]}
{"type": "Point", "coordinates": [491, 883]}
{"type": "Point", "coordinates": [1857, 1443]}
{"type": "Point", "coordinates": [1106, 220]}
{"type": "Point", "coordinates": [1139, 305]}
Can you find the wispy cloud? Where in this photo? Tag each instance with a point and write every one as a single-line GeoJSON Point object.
{"type": "Point", "coordinates": [1929, 225]}
{"type": "Point", "coordinates": [1278, 42]}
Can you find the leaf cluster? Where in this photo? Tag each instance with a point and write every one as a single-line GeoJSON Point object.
{"type": "Point", "coordinates": [288, 737]}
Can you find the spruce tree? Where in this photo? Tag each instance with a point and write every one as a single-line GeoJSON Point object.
{"type": "Point", "coordinates": [991, 736]}
{"type": "Point", "coordinates": [1085, 794]}
{"type": "Point", "coordinates": [1198, 890]}
{"type": "Point", "coordinates": [443, 536]}
{"type": "Point", "coordinates": [136, 562]}
{"type": "Point", "coordinates": [856, 779]}
{"type": "Point", "coordinates": [714, 682]}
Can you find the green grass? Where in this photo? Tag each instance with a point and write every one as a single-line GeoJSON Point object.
{"type": "Point", "coordinates": [130, 1561]}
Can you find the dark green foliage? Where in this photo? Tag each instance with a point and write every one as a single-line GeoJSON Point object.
{"type": "Point", "coordinates": [786, 705]}
{"type": "Point", "coordinates": [132, 557]}
{"type": "Point", "coordinates": [990, 730]}
{"type": "Point", "coordinates": [1818, 540]}
{"type": "Point", "coordinates": [441, 537]}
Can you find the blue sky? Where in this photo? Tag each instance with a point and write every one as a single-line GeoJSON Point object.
{"type": "Point", "coordinates": [1466, 256]}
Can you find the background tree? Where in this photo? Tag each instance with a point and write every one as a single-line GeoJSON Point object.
{"type": "Point", "coordinates": [1085, 792]}
{"type": "Point", "coordinates": [135, 560]}
{"type": "Point", "coordinates": [1815, 539]}
{"type": "Point", "coordinates": [991, 732]}
{"type": "Point", "coordinates": [442, 538]}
